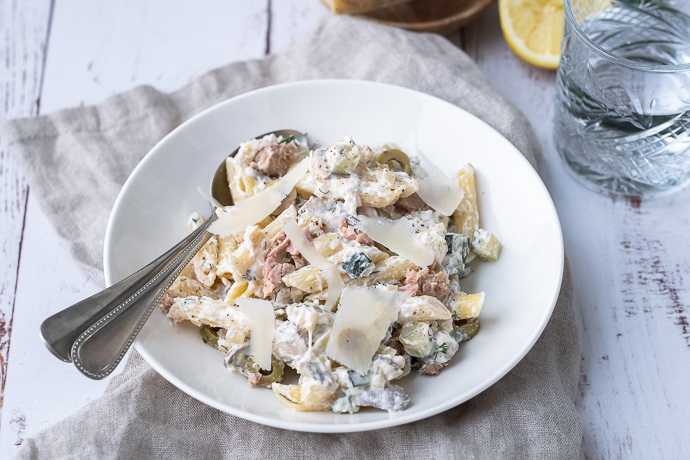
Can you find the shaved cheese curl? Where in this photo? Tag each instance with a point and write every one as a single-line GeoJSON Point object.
{"type": "Point", "coordinates": [330, 272]}
{"type": "Point", "coordinates": [398, 236]}
{"type": "Point", "coordinates": [235, 219]}
{"type": "Point", "coordinates": [259, 314]}
{"type": "Point", "coordinates": [438, 190]}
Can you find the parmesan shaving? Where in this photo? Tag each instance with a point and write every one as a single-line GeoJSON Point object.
{"type": "Point", "coordinates": [330, 271]}
{"type": "Point", "coordinates": [259, 314]}
{"type": "Point", "coordinates": [235, 219]}
{"type": "Point", "coordinates": [398, 236]}
{"type": "Point", "coordinates": [361, 323]}
{"type": "Point", "coordinates": [215, 203]}
{"type": "Point", "coordinates": [438, 190]}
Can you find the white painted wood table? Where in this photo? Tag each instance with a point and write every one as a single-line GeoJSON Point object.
{"type": "Point", "coordinates": [631, 260]}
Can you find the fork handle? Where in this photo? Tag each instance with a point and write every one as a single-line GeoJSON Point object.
{"type": "Point", "coordinates": [97, 332]}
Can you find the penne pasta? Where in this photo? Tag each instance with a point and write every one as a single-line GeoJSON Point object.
{"type": "Point", "coordinates": [265, 290]}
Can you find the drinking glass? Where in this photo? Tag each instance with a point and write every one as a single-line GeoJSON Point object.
{"type": "Point", "coordinates": [622, 118]}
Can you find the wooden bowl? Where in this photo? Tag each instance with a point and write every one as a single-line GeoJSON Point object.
{"type": "Point", "coordinates": [438, 16]}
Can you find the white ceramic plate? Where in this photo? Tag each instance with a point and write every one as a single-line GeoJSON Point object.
{"type": "Point", "coordinates": [151, 211]}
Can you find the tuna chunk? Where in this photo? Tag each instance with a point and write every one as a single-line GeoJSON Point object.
{"type": "Point", "coordinates": [281, 246]}
{"type": "Point", "coordinates": [278, 248]}
{"type": "Point", "coordinates": [166, 302]}
{"type": "Point", "coordinates": [352, 233]}
{"type": "Point", "coordinates": [273, 275]}
{"type": "Point", "coordinates": [430, 369]}
{"type": "Point", "coordinates": [412, 203]}
{"type": "Point", "coordinates": [426, 282]}
{"type": "Point", "coordinates": [253, 378]}
{"type": "Point", "coordinates": [363, 238]}
{"type": "Point", "coordinates": [274, 160]}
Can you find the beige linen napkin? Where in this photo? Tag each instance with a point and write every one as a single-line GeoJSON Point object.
{"type": "Point", "coordinates": [529, 413]}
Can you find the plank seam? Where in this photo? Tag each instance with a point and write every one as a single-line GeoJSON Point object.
{"type": "Point", "coordinates": [269, 20]}
{"type": "Point", "coordinates": [43, 64]}
{"type": "Point", "coordinates": [14, 302]}
{"type": "Point", "coordinates": [37, 110]}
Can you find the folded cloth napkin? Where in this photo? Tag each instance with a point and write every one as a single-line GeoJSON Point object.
{"type": "Point", "coordinates": [76, 160]}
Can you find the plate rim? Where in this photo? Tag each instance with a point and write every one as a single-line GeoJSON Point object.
{"type": "Point", "coordinates": [311, 427]}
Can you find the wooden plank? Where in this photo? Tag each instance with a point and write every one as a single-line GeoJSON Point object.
{"type": "Point", "coordinates": [633, 304]}
{"type": "Point", "coordinates": [291, 20]}
{"type": "Point", "coordinates": [107, 48]}
{"type": "Point", "coordinates": [634, 328]}
{"type": "Point", "coordinates": [41, 389]}
{"type": "Point", "coordinates": [628, 262]}
{"type": "Point", "coordinates": [23, 32]}
{"type": "Point", "coordinates": [98, 49]}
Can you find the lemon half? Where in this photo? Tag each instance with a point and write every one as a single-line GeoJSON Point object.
{"type": "Point", "coordinates": [533, 29]}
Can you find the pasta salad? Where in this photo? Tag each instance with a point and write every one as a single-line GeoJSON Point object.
{"type": "Point", "coordinates": [343, 263]}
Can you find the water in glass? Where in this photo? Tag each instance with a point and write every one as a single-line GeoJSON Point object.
{"type": "Point", "coordinates": [623, 95]}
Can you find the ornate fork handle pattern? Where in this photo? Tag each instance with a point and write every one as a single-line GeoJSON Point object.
{"type": "Point", "coordinates": [96, 333]}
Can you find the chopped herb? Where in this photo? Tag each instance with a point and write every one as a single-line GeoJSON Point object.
{"type": "Point", "coordinates": [443, 348]}
{"type": "Point", "coordinates": [195, 220]}
{"type": "Point", "coordinates": [288, 140]}
{"type": "Point", "coordinates": [325, 193]}
{"type": "Point", "coordinates": [248, 277]}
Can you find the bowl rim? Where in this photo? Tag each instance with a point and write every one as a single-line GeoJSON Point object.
{"type": "Point", "coordinates": [400, 418]}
